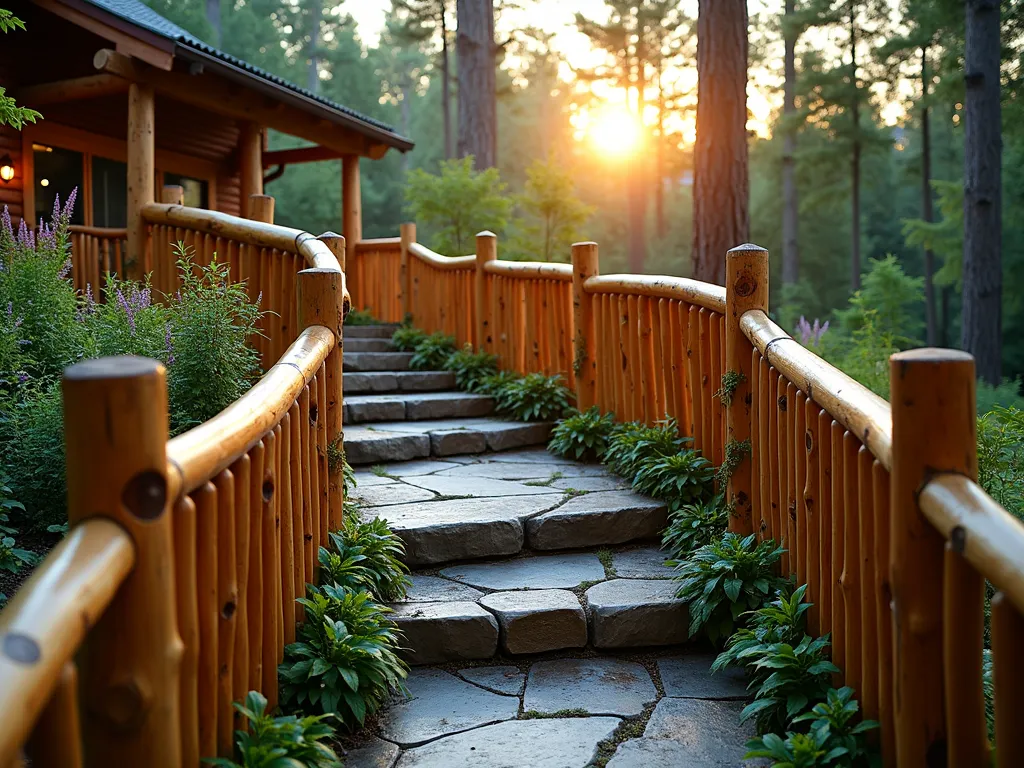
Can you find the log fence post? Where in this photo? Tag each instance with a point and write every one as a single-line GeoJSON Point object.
{"type": "Point", "coordinates": [115, 431]}
{"type": "Point", "coordinates": [486, 251]}
{"type": "Point", "coordinates": [933, 431]}
{"type": "Point", "coordinates": [141, 175]}
{"type": "Point", "coordinates": [261, 208]}
{"type": "Point", "coordinates": [746, 288]}
{"type": "Point", "coordinates": [585, 265]}
{"type": "Point", "coordinates": [172, 194]}
{"type": "Point", "coordinates": [408, 236]}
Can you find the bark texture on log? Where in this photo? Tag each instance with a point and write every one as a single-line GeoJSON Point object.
{"type": "Point", "coordinates": [478, 112]}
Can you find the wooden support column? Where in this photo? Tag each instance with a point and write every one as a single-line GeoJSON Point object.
{"type": "Point", "coordinates": [351, 201]}
{"type": "Point", "coordinates": [261, 208]}
{"type": "Point", "coordinates": [321, 297]}
{"type": "Point", "coordinates": [584, 342]}
{"type": "Point", "coordinates": [486, 251]}
{"type": "Point", "coordinates": [746, 288]}
{"type": "Point", "coordinates": [250, 159]}
{"type": "Point", "coordinates": [141, 175]}
{"type": "Point", "coordinates": [933, 431]}
{"type": "Point", "coordinates": [115, 432]}
{"type": "Point", "coordinates": [407, 231]}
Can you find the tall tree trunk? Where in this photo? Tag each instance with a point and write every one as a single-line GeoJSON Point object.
{"type": "Point", "coordinates": [721, 190]}
{"type": "Point", "coordinates": [790, 200]}
{"type": "Point", "coordinates": [405, 83]}
{"type": "Point", "coordinates": [478, 107]}
{"type": "Point", "coordinates": [659, 176]}
{"type": "Point", "coordinates": [927, 212]}
{"type": "Point", "coordinates": [636, 183]}
{"type": "Point", "coordinates": [213, 17]}
{"type": "Point", "coordinates": [446, 85]}
{"type": "Point", "coordinates": [313, 75]}
{"type": "Point", "coordinates": [855, 155]}
{"type": "Point", "coordinates": [981, 331]}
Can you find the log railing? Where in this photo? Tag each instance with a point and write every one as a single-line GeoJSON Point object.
{"type": "Point", "coordinates": [877, 504]}
{"type": "Point", "coordinates": [374, 276]}
{"type": "Point", "coordinates": [95, 253]}
{"type": "Point", "coordinates": [173, 593]}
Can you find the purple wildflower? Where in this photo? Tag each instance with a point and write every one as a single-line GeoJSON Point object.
{"type": "Point", "coordinates": [65, 270]}
{"type": "Point", "coordinates": [5, 222]}
{"type": "Point", "coordinates": [56, 207]}
{"type": "Point", "coordinates": [23, 233]}
{"type": "Point", "coordinates": [169, 345]}
{"type": "Point", "coordinates": [810, 335]}
{"type": "Point", "coordinates": [22, 377]}
{"type": "Point", "coordinates": [90, 302]}
{"type": "Point", "coordinates": [129, 310]}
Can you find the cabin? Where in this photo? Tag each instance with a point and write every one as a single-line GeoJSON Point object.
{"type": "Point", "coordinates": [133, 103]}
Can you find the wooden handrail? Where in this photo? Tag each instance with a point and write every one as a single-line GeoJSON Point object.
{"type": "Point", "coordinates": [441, 262]}
{"type": "Point", "coordinates": [530, 270]}
{"type": "Point", "coordinates": [201, 453]}
{"type": "Point", "coordinates": [850, 403]}
{"type": "Point", "coordinates": [376, 243]}
{"type": "Point", "coordinates": [662, 287]}
{"type": "Point", "coordinates": [48, 617]}
{"type": "Point", "coordinates": [110, 232]}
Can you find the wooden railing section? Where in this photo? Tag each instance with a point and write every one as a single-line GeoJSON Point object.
{"type": "Point", "coordinates": [878, 505]}
{"type": "Point", "coordinates": [95, 253]}
{"type": "Point", "coordinates": [374, 273]}
{"type": "Point", "coordinates": [173, 593]}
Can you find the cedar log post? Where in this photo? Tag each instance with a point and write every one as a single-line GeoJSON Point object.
{"type": "Point", "coordinates": [351, 200]}
{"type": "Point", "coordinates": [115, 432]}
{"type": "Point", "coordinates": [261, 208]}
{"type": "Point", "coordinates": [321, 297]}
{"type": "Point", "coordinates": [408, 237]}
{"type": "Point", "coordinates": [584, 361]}
{"type": "Point", "coordinates": [486, 251]}
{"type": "Point", "coordinates": [250, 160]}
{"type": "Point", "coordinates": [172, 194]}
{"type": "Point", "coordinates": [141, 175]}
{"type": "Point", "coordinates": [933, 431]}
{"type": "Point", "coordinates": [746, 288]}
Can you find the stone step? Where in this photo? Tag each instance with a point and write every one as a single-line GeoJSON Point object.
{"type": "Point", "coordinates": [397, 381]}
{"type": "Point", "coordinates": [367, 345]}
{"type": "Point", "coordinates": [416, 407]}
{"type": "Point", "coordinates": [404, 440]}
{"type": "Point", "coordinates": [543, 603]}
{"type": "Point", "coordinates": [380, 331]}
{"type": "Point", "coordinates": [364, 362]}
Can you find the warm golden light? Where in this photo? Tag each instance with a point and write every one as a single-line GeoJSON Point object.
{"type": "Point", "coordinates": [614, 130]}
{"type": "Point", "coordinates": [6, 169]}
{"type": "Point", "coordinates": [44, 182]}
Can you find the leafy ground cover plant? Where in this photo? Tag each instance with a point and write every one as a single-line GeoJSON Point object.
{"type": "Point", "coordinates": [1001, 457]}
{"type": "Point", "coordinates": [836, 719]}
{"type": "Point", "coordinates": [405, 338]}
{"type": "Point", "coordinates": [797, 750]}
{"type": "Point", "coordinates": [725, 579]}
{"type": "Point", "coordinates": [471, 368]}
{"type": "Point", "coordinates": [632, 443]}
{"type": "Point", "coordinates": [783, 620]}
{"type": "Point", "coordinates": [345, 660]}
{"type": "Point", "coordinates": [381, 552]}
{"type": "Point", "coordinates": [534, 397]}
{"type": "Point", "coordinates": [693, 525]}
{"type": "Point", "coordinates": [280, 742]}
{"type": "Point", "coordinates": [582, 435]}
{"type": "Point", "coordinates": [360, 317]}
{"type": "Point", "coordinates": [680, 478]}
{"type": "Point", "coordinates": [343, 570]}
{"type": "Point", "coordinates": [492, 385]}
{"type": "Point", "coordinates": [32, 451]}
{"type": "Point", "coordinates": [432, 352]}
{"type": "Point", "coordinates": [796, 677]}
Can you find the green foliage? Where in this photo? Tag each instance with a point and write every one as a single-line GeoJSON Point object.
{"type": "Point", "coordinates": [836, 717]}
{"type": "Point", "coordinates": [797, 750]}
{"type": "Point", "coordinates": [457, 203]}
{"type": "Point", "coordinates": [495, 383]}
{"type": "Point", "coordinates": [1006, 394]}
{"type": "Point", "coordinates": [534, 397]}
{"type": "Point", "coordinates": [796, 676]}
{"type": "Point", "coordinates": [360, 317]}
{"type": "Point", "coordinates": [633, 443]}
{"type": "Point", "coordinates": [680, 478]}
{"type": "Point", "coordinates": [432, 352]}
{"type": "Point", "coordinates": [406, 338]}
{"type": "Point", "coordinates": [730, 381]}
{"type": "Point", "coordinates": [210, 363]}
{"type": "Point", "coordinates": [946, 236]}
{"type": "Point", "coordinates": [280, 742]}
{"type": "Point", "coordinates": [893, 296]}
{"type": "Point", "coordinates": [781, 621]}
{"type": "Point", "coordinates": [735, 452]}
{"type": "Point", "coordinates": [1001, 457]}
{"type": "Point", "coordinates": [553, 214]}
{"type": "Point", "coordinates": [345, 658]}
{"type": "Point", "coordinates": [33, 452]}
{"type": "Point", "coordinates": [864, 354]}
{"type": "Point", "coordinates": [11, 557]}
{"type": "Point", "coordinates": [726, 578]}
{"type": "Point", "coordinates": [693, 525]}
{"type": "Point", "coordinates": [10, 113]}
{"type": "Point", "coordinates": [582, 435]}
{"type": "Point", "coordinates": [380, 551]}
{"type": "Point", "coordinates": [471, 368]}
{"type": "Point", "coordinates": [128, 322]}
{"type": "Point", "coordinates": [343, 569]}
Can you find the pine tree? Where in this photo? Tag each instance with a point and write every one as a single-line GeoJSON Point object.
{"type": "Point", "coordinates": [478, 105]}
{"type": "Point", "coordinates": [430, 18]}
{"type": "Point", "coordinates": [790, 126]}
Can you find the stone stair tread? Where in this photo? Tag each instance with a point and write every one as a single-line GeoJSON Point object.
{"type": "Point", "coordinates": [598, 518]}
{"type": "Point", "coordinates": [402, 440]}
{"type": "Point", "coordinates": [367, 362]}
{"type": "Point", "coordinates": [416, 406]}
{"type": "Point", "coordinates": [367, 345]}
{"type": "Point", "coordinates": [377, 331]}
{"type": "Point", "coordinates": [355, 383]}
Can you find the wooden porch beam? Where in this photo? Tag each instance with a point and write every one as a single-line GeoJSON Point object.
{"type": "Point", "coordinates": [299, 155]}
{"type": "Point", "coordinates": [74, 89]}
{"type": "Point", "coordinates": [223, 98]}
{"type": "Point", "coordinates": [250, 148]}
{"type": "Point", "coordinates": [351, 200]}
{"type": "Point", "coordinates": [141, 173]}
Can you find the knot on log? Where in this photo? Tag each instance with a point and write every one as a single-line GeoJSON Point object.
{"type": "Point", "coordinates": [145, 495]}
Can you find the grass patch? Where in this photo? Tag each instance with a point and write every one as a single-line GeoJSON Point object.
{"type": "Point", "coordinates": [545, 483]}
{"type": "Point", "coordinates": [630, 728]}
{"type": "Point", "coordinates": [532, 714]}
{"type": "Point", "coordinates": [605, 556]}
{"type": "Point", "coordinates": [571, 492]}
{"type": "Point", "coordinates": [379, 470]}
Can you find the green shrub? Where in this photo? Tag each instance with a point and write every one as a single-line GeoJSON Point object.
{"type": "Point", "coordinates": [381, 551]}
{"type": "Point", "coordinates": [725, 579]}
{"type": "Point", "coordinates": [280, 742]}
{"type": "Point", "coordinates": [1001, 457]}
{"type": "Point", "coordinates": [680, 478]}
{"type": "Point", "coordinates": [432, 352]}
{"type": "Point", "coordinates": [33, 452]}
{"type": "Point", "coordinates": [406, 338]}
{"type": "Point", "coordinates": [633, 443]}
{"type": "Point", "coordinates": [797, 676]}
{"type": "Point", "coordinates": [1007, 395]}
{"type": "Point", "coordinates": [534, 397]}
{"type": "Point", "coordinates": [345, 659]}
{"type": "Point", "coordinates": [11, 557]}
{"type": "Point", "coordinates": [797, 750]}
{"type": "Point", "coordinates": [127, 322]}
{"type": "Point", "coordinates": [361, 317]}
{"type": "Point", "coordinates": [492, 385]}
{"type": "Point", "coordinates": [781, 621]}
{"type": "Point", "coordinates": [836, 718]}
{"type": "Point", "coordinates": [471, 368]}
{"type": "Point", "coordinates": [343, 569]}
{"type": "Point", "coordinates": [693, 525]}
{"type": "Point", "coordinates": [582, 435]}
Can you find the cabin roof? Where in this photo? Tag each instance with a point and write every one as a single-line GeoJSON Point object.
{"type": "Point", "coordinates": [138, 14]}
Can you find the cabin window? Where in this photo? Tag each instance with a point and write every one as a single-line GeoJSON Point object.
{"type": "Point", "coordinates": [196, 190]}
{"type": "Point", "coordinates": [57, 171]}
{"type": "Point", "coordinates": [109, 193]}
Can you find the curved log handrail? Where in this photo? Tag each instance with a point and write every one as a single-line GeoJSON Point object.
{"type": "Point", "coordinates": [206, 450]}
{"type": "Point", "coordinates": [438, 261]}
{"type": "Point", "coordinates": [109, 232]}
{"type": "Point", "coordinates": [662, 287]}
{"type": "Point", "coordinates": [530, 270]}
{"type": "Point", "coordinates": [377, 243]}
{"type": "Point", "coordinates": [49, 616]}
{"type": "Point", "coordinates": [850, 403]}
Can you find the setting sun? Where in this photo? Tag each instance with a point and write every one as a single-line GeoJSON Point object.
{"type": "Point", "coordinates": [614, 130]}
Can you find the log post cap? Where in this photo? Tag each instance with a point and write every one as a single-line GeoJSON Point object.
{"type": "Point", "coordinates": [328, 235]}
{"type": "Point", "coordinates": [585, 244]}
{"type": "Point", "coordinates": [486, 233]}
{"type": "Point", "coordinates": [320, 271]}
{"type": "Point", "coordinates": [120, 367]}
{"type": "Point", "coordinates": [931, 356]}
{"type": "Point", "coordinates": [747, 248]}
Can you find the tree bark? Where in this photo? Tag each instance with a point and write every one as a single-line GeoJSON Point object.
{"type": "Point", "coordinates": [790, 199]}
{"type": "Point", "coordinates": [927, 212]}
{"type": "Point", "coordinates": [981, 329]}
{"type": "Point", "coordinates": [854, 155]}
{"type": "Point", "coordinates": [446, 86]}
{"type": "Point", "coordinates": [478, 109]}
{"type": "Point", "coordinates": [213, 17]}
{"type": "Point", "coordinates": [659, 177]}
{"type": "Point", "coordinates": [636, 183]}
{"type": "Point", "coordinates": [721, 218]}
